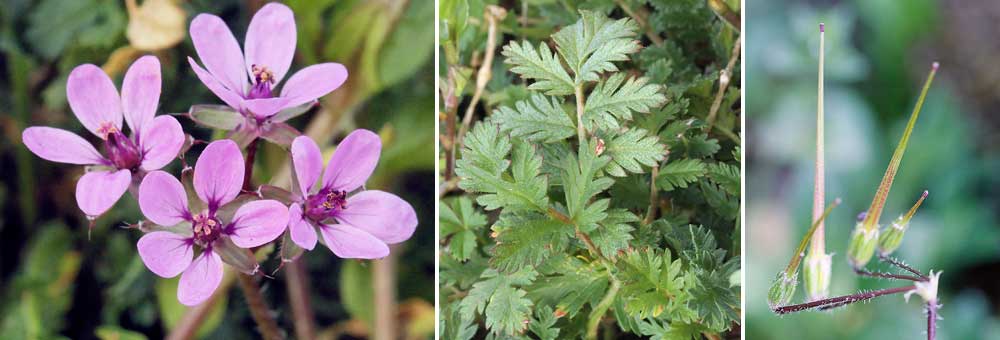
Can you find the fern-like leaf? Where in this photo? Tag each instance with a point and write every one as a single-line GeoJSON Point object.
{"type": "Point", "coordinates": [483, 165]}
{"type": "Point", "coordinates": [615, 99]}
{"type": "Point", "coordinates": [537, 119]}
{"type": "Point", "coordinates": [680, 173]}
{"type": "Point", "coordinates": [632, 150]}
{"type": "Point", "coordinates": [592, 44]}
{"type": "Point", "coordinates": [540, 65]}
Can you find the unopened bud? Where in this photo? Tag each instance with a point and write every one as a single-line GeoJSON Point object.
{"type": "Point", "coordinates": [816, 270]}
{"type": "Point", "coordinates": [782, 290]}
{"type": "Point", "coordinates": [892, 237]}
{"type": "Point", "coordinates": [862, 246]}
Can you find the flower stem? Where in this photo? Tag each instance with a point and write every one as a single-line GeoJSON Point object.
{"type": "Point", "coordinates": [882, 193]}
{"type": "Point", "coordinates": [818, 245]}
{"type": "Point", "coordinates": [258, 308]}
{"type": "Point", "coordinates": [931, 320]}
{"type": "Point", "coordinates": [297, 281]}
{"type": "Point", "coordinates": [248, 166]}
{"type": "Point", "coordinates": [793, 265]}
{"type": "Point", "coordinates": [602, 308]}
{"type": "Point", "coordinates": [841, 300]}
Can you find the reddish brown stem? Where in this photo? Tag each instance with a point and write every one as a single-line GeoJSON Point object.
{"type": "Point", "coordinates": [297, 282]}
{"type": "Point", "coordinates": [258, 308]}
{"type": "Point", "coordinates": [248, 166]}
{"type": "Point", "coordinates": [841, 300]}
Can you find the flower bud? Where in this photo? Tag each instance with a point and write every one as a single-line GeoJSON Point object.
{"type": "Point", "coordinates": [817, 276]}
{"type": "Point", "coordinates": [892, 237]}
{"type": "Point", "coordinates": [862, 246]}
{"type": "Point", "coordinates": [782, 290]}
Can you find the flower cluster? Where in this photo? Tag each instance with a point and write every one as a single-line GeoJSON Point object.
{"type": "Point", "coordinates": [194, 237]}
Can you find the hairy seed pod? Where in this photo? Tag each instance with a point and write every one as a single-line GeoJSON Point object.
{"type": "Point", "coordinates": [892, 237]}
{"type": "Point", "coordinates": [816, 270]}
{"type": "Point", "coordinates": [782, 290]}
{"type": "Point", "coordinates": [862, 246]}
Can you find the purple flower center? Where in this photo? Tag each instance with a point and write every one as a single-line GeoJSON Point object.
{"type": "Point", "coordinates": [263, 79]}
{"type": "Point", "coordinates": [325, 204]}
{"type": "Point", "coordinates": [206, 227]}
{"type": "Point", "coordinates": [121, 150]}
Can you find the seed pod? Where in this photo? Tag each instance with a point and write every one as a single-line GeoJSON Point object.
{"type": "Point", "coordinates": [816, 270]}
{"type": "Point", "coordinates": [862, 246]}
{"type": "Point", "coordinates": [892, 237]}
{"type": "Point", "coordinates": [782, 290]}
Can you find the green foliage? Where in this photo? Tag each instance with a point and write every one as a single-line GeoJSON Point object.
{"type": "Point", "coordinates": [574, 235]}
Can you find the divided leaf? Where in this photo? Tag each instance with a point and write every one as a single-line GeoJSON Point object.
{"type": "Point", "coordinates": [611, 100]}
{"type": "Point", "coordinates": [631, 150]}
{"type": "Point", "coordinates": [460, 221]}
{"type": "Point", "coordinates": [537, 120]}
{"type": "Point", "coordinates": [727, 176]}
{"type": "Point", "coordinates": [680, 173]}
{"type": "Point", "coordinates": [526, 239]}
{"type": "Point", "coordinates": [581, 185]}
{"type": "Point", "coordinates": [615, 232]}
{"type": "Point", "coordinates": [503, 305]}
{"type": "Point", "coordinates": [540, 65]}
{"type": "Point", "coordinates": [653, 284]}
{"type": "Point", "coordinates": [483, 166]}
{"type": "Point", "coordinates": [595, 41]}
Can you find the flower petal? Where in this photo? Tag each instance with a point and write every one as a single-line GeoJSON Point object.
{"type": "Point", "coordinates": [141, 92]}
{"type": "Point", "coordinates": [162, 199]}
{"type": "Point", "coordinates": [165, 254]}
{"type": "Point", "coordinates": [382, 214]}
{"type": "Point", "coordinates": [200, 279]}
{"type": "Point", "coordinates": [353, 161]}
{"type": "Point", "coordinates": [161, 140]}
{"type": "Point", "coordinates": [352, 243]}
{"type": "Point", "coordinates": [231, 98]}
{"type": "Point", "coordinates": [97, 191]}
{"type": "Point", "coordinates": [218, 174]}
{"type": "Point", "coordinates": [302, 232]}
{"type": "Point", "coordinates": [218, 50]}
{"type": "Point", "coordinates": [307, 161]}
{"type": "Point", "coordinates": [93, 98]}
{"type": "Point", "coordinates": [258, 222]}
{"type": "Point", "coordinates": [270, 40]}
{"type": "Point", "coordinates": [265, 107]}
{"type": "Point", "coordinates": [61, 146]}
{"type": "Point", "coordinates": [313, 82]}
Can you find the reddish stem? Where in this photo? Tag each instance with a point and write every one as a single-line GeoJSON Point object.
{"type": "Point", "coordinates": [841, 300]}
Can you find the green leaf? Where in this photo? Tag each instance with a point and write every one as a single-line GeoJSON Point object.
{"type": "Point", "coordinates": [171, 310]}
{"type": "Point", "coordinates": [462, 223]}
{"type": "Point", "coordinates": [653, 284]}
{"type": "Point", "coordinates": [483, 165]}
{"type": "Point", "coordinates": [503, 305]}
{"type": "Point", "coordinates": [543, 325]}
{"type": "Point", "coordinates": [570, 284]}
{"type": "Point", "coordinates": [591, 44]}
{"type": "Point", "coordinates": [631, 150]}
{"type": "Point", "coordinates": [727, 176]}
{"type": "Point", "coordinates": [580, 186]}
{"type": "Point", "coordinates": [108, 332]}
{"type": "Point", "coordinates": [455, 325]}
{"type": "Point", "coordinates": [615, 232]}
{"type": "Point", "coordinates": [540, 65]}
{"type": "Point", "coordinates": [660, 330]}
{"type": "Point", "coordinates": [680, 173]}
{"type": "Point", "coordinates": [526, 239]}
{"type": "Point", "coordinates": [537, 120]}
{"type": "Point", "coordinates": [611, 100]}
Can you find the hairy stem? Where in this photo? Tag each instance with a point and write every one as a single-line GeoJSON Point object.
{"type": "Point", "coordinates": [882, 193]}
{"type": "Point", "coordinates": [581, 134]}
{"type": "Point", "coordinates": [818, 244]}
{"type": "Point", "coordinates": [932, 320]}
{"type": "Point", "coordinates": [864, 272]}
{"type": "Point", "coordinates": [903, 266]}
{"type": "Point", "coordinates": [841, 300]}
{"type": "Point", "coordinates": [602, 308]}
{"type": "Point", "coordinates": [297, 282]}
{"type": "Point", "coordinates": [248, 166]}
{"type": "Point", "coordinates": [258, 308]}
{"type": "Point", "coordinates": [195, 316]}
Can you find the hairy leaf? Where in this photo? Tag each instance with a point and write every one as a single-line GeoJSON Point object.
{"type": "Point", "coordinates": [483, 165]}
{"type": "Point", "coordinates": [615, 99]}
{"type": "Point", "coordinates": [591, 45]}
{"type": "Point", "coordinates": [680, 173]}
{"type": "Point", "coordinates": [581, 185]}
{"type": "Point", "coordinates": [727, 176]}
{"type": "Point", "coordinates": [631, 150]}
{"type": "Point", "coordinates": [653, 283]}
{"type": "Point", "coordinates": [496, 297]}
{"type": "Point", "coordinates": [526, 239]}
{"type": "Point", "coordinates": [537, 120]}
{"type": "Point", "coordinates": [460, 221]}
{"type": "Point", "coordinates": [540, 65]}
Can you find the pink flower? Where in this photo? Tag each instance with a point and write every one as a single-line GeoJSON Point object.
{"type": "Point", "coordinates": [95, 101]}
{"type": "Point", "coordinates": [358, 225]}
{"type": "Point", "coordinates": [218, 176]}
{"type": "Point", "coordinates": [270, 46]}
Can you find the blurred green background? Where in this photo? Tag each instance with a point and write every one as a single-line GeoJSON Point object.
{"type": "Point", "coordinates": [55, 283]}
{"type": "Point", "coordinates": [878, 55]}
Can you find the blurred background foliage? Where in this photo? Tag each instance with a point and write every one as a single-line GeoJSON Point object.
{"type": "Point", "coordinates": [57, 283]}
{"type": "Point", "coordinates": [878, 53]}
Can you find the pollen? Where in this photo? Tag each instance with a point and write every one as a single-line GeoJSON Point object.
{"type": "Point", "coordinates": [262, 74]}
